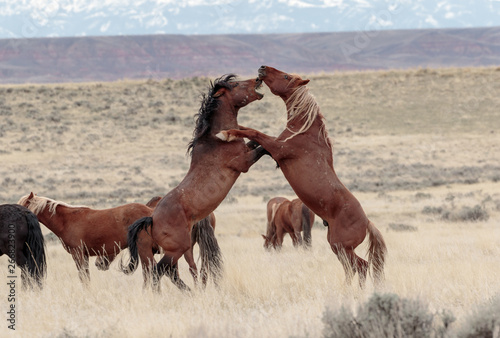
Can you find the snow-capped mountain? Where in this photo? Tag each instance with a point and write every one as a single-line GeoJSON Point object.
{"type": "Point", "coordinates": [50, 18]}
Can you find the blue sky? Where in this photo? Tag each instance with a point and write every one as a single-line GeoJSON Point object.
{"type": "Point", "coordinates": [53, 18]}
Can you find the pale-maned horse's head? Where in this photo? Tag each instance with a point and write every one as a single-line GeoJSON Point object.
{"type": "Point", "coordinates": [301, 105]}
{"type": "Point", "coordinates": [36, 204]}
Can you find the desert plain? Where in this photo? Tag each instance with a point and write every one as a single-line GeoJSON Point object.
{"type": "Point", "coordinates": [419, 148]}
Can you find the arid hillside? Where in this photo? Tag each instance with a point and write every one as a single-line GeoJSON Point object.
{"type": "Point", "coordinates": [84, 59]}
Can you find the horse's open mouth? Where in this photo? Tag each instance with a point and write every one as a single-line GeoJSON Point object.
{"type": "Point", "coordinates": [258, 85]}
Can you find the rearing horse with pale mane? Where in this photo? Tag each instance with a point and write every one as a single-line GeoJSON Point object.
{"type": "Point", "coordinates": [87, 232]}
{"type": "Point", "coordinates": [304, 154]}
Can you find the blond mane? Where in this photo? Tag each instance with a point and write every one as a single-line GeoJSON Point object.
{"type": "Point", "coordinates": [38, 203]}
{"type": "Point", "coordinates": [303, 106]}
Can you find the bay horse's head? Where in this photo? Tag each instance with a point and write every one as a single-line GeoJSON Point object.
{"type": "Point", "coordinates": [228, 92]}
{"type": "Point", "coordinates": [280, 83]}
{"type": "Point", "coordinates": [238, 93]}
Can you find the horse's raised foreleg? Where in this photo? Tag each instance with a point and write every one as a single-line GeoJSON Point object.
{"type": "Point", "coordinates": [269, 143]}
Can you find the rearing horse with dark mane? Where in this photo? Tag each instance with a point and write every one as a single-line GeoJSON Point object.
{"type": "Point", "coordinates": [215, 166]}
{"type": "Point", "coordinates": [22, 240]}
{"type": "Point", "coordinates": [304, 154]}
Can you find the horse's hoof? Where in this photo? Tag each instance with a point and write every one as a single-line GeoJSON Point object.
{"type": "Point", "coordinates": [222, 135]}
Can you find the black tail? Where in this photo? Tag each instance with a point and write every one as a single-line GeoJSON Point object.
{"type": "Point", "coordinates": [34, 249]}
{"type": "Point", "coordinates": [211, 256]}
{"type": "Point", "coordinates": [133, 233]}
{"type": "Point", "coordinates": [306, 225]}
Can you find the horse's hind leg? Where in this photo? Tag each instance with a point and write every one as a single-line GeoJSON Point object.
{"type": "Point", "coordinates": [149, 269]}
{"type": "Point", "coordinates": [188, 255]}
{"type": "Point", "coordinates": [174, 244]}
{"type": "Point", "coordinates": [166, 266]}
{"type": "Point", "coordinates": [352, 263]}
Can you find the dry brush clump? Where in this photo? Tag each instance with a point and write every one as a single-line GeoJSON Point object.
{"type": "Point", "coordinates": [484, 321]}
{"type": "Point", "coordinates": [475, 207]}
{"type": "Point", "coordinates": [465, 214]}
{"type": "Point", "coordinates": [387, 315]}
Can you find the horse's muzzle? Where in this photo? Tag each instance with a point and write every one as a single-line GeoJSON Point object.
{"type": "Point", "coordinates": [262, 72]}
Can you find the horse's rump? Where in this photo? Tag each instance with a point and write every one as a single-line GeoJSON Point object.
{"type": "Point", "coordinates": [132, 236]}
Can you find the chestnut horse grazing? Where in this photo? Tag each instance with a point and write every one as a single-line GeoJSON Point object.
{"type": "Point", "coordinates": [287, 217]}
{"type": "Point", "coordinates": [87, 232]}
{"type": "Point", "coordinates": [304, 154]}
{"type": "Point", "coordinates": [215, 166]}
{"type": "Point", "coordinates": [21, 239]}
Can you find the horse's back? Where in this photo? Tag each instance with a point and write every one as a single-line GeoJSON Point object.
{"type": "Point", "coordinates": [273, 204]}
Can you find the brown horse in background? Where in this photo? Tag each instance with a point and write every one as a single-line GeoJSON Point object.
{"type": "Point", "coordinates": [21, 239]}
{"type": "Point", "coordinates": [215, 166]}
{"type": "Point", "coordinates": [287, 217]}
{"type": "Point", "coordinates": [304, 154]}
{"type": "Point", "coordinates": [87, 232]}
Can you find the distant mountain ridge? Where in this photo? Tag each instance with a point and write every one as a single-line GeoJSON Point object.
{"type": "Point", "coordinates": [80, 59]}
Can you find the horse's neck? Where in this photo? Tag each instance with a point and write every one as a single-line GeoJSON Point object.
{"type": "Point", "coordinates": [296, 123]}
{"type": "Point", "coordinates": [224, 118]}
{"type": "Point", "coordinates": [55, 222]}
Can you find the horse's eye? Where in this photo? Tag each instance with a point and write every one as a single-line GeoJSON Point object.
{"type": "Point", "coordinates": [286, 77]}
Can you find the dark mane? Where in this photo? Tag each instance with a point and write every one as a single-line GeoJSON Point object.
{"type": "Point", "coordinates": [209, 105]}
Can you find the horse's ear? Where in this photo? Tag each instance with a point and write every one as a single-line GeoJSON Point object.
{"type": "Point", "coordinates": [220, 92]}
{"type": "Point", "coordinates": [31, 196]}
{"type": "Point", "coordinates": [304, 82]}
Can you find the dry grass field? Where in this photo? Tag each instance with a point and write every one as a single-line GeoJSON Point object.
{"type": "Point", "coordinates": [420, 149]}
